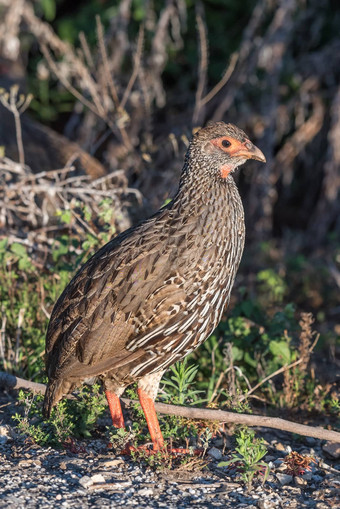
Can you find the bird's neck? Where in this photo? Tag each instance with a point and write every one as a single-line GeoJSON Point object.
{"type": "Point", "coordinates": [198, 189]}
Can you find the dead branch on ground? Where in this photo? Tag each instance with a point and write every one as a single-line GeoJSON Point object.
{"type": "Point", "coordinates": [13, 382]}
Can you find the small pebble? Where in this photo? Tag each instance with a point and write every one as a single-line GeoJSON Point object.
{"type": "Point", "coordinates": [280, 447]}
{"type": "Point", "coordinates": [215, 453]}
{"type": "Point", "coordinates": [265, 504]}
{"type": "Point", "coordinates": [113, 463]}
{"type": "Point", "coordinates": [332, 449]}
{"type": "Point", "coordinates": [97, 478]}
{"type": "Point", "coordinates": [299, 481]}
{"type": "Point", "coordinates": [145, 492]}
{"type": "Point", "coordinates": [85, 481]}
{"type": "Point", "coordinates": [284, 478]}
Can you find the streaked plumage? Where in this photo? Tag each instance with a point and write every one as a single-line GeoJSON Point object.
{"type": "Point", "coordinates": [155, 292]}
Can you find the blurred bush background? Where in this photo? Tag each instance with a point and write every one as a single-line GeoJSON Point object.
{"type": "Point", "coordinates": [118, 87]}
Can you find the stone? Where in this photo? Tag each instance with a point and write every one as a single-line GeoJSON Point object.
{"type": "Point", "coordinates": [265, 504]}
{"type": "Point", "coordinates": [145, 492]}
{"type": "Point", "coordinates": [85, 481]}
{"type": "Point", "coordinates": [4, 434]}
{"type": "Point", "coordinates": [215, 453]}
{"type": "Point", "coordinates": [300, 481]}
{"type": "Point", "coordinates": [113, 463]}
{"type": "Point", "coordinates": [332, 449]}
{"type": "Point", "coordinates": [25, 463]}
{"type": "Point", "coordinates": [284, 478]}
{"type": "Point", "coordinates": [97, 478]}
{"type": "Point", "coordinates": [280, 447]}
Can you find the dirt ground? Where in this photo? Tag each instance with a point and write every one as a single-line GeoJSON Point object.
{"type": "Point", "coordinates": [89, 474]}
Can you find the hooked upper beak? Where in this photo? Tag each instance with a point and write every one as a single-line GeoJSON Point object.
{"type": "Point", "coordinates": [250, 151]}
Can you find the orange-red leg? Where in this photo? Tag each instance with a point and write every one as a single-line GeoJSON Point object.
{"type": "Point", "coordinates": [115, 409]}
{"type": "Point", "coordinates": [148, 407]}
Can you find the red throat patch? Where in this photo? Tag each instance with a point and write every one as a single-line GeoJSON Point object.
{"type": "Point", "coordinates": [225, 170]}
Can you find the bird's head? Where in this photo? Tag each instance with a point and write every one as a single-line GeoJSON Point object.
{"type": "Point", "coordinates": [220, 148]}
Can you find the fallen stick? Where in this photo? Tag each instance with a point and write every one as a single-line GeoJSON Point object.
{"type": "Point", "coordinates": [13, 382]}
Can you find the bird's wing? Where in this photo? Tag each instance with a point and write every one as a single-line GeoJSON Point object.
{"type": "Point", "coordinates": [130, 287]}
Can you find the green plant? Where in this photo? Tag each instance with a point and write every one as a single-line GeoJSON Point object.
{"type": "Point", "coordinates": [69, 418]}
{"type": "Point", "coordinates": [177, 386]}
{"type": "Point", "coordinates": [272, 284]}
{"type": "Point", "coordinates": [248, 456]}
{"type": "Point", "coordinates": [23, 318]}
{"type": "Point", "coordinates": [54, 432]}
{"type": "Point", "coordinates": [252, 344]}
{"type": "Point", "coordinates": [90, 404]}
{"type": "Point", "coordinates": [334, 404]}
{"type": "Point", "coordinates": [120, 438]}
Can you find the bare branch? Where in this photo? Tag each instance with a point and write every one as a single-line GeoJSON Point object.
{"type": "Point", "coordinates": [86, 50]}
{"type": "Point", "coordinates": [103, 54]}
{"type": "Point", "coordinates": [203, 65]}
{"type": "Point", "coordinates": [138, 58]}
{"type": "Point", "coordinates": [65, 82]}
{"type": "Point", "coordinates": [223, 81]}
{"type": "Point", "coordinates": [13, 382]}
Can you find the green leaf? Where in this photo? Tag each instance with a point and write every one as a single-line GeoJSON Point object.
{"type": "Point", "coordinates": [237, 353]}
{"type": "Point", "coordinates": [49, 8]}
{"type": "Point", "coordinates": [3, 244]}
{"type": "Point", "coordinates": [281, 351]}
{"type": "Point", "coordinates": [25, 263]}
{"type": "Point", "coordinates": [66, 216]}
{"type": "Point", "coordinates": [18, 249]}
{"type": "Point", "coordinates": [249, 360]}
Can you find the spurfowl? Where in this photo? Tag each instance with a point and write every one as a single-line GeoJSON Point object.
{"type": "Point", "coordinates": [155, 292]}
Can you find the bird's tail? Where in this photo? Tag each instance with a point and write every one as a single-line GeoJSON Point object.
{"type": "Point", "coordinates": [55, 390]}
{"type": "Point", "coordinates": [50, 399]}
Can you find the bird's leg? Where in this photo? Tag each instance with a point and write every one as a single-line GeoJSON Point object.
{"type": "Point", "coordinates": [115, 409]}
{"type": "Point", "coordinates": [148, 406]}
{"type": "Point", "coordinates": [147, 392]}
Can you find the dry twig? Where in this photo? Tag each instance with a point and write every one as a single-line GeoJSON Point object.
{"type": "Point", "coordinates": [14, 382]}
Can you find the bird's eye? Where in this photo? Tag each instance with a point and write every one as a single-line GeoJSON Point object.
{"type": "Point", "coordinates": [226, 143]}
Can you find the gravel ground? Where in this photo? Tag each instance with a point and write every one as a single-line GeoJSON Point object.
{"type": "Point", "coordinates": [93, 476]}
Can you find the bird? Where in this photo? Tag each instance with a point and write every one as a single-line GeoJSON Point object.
{"type": "Point", "coordinates": [154, 293]}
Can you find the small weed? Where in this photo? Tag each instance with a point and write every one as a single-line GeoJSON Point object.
{"type": "Point", "coordinates": [157, 461]}
{"type": "Point", "coordinates": [334, 405]}
{"type": "Point", "coordinates": [177, 386]}
{"type": "Point", "coordinates": [272, 284]}
{"type": "Point", "coordinates": [248, 456]}
{"type": "Point", "coordinates": [68, 418]}
{"type": "Point", "coordinates": [53, 432]}
{"type": "Point", "coordinates": [90, 404]}
{"type": "Point", "coordinates": [120, 438]}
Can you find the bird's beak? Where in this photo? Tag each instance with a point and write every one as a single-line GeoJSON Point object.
{"type": "Point", "coordinates": [249, 151]}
